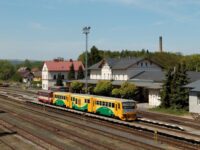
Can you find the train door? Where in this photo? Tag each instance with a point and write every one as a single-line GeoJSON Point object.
{"type": "Point", "coordinates": [90, 104]}
{"type": "Point", "coordinates": [93, 101]}
{"type": "Point", "coordinates": [70, 101]}
{"type": "Point", "coordinates": [117, 109]}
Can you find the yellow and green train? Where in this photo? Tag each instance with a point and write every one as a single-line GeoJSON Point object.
{"type": "Point", "coordinates": [113, 107]}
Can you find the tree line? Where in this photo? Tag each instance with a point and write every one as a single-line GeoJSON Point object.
{"type": "Point", "coordinates": [8, 70]}
{"type": "Point", "coordinates": [165, 59]}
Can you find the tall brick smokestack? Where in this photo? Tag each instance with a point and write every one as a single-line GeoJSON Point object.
{"type": "Point", "coordinates": [160, 44]}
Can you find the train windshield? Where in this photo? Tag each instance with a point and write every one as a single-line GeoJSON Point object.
{"type": "Point", "coordinates": [129, 106]}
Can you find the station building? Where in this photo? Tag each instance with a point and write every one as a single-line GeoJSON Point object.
{"type": "Point", "coordinates": [146, 74]}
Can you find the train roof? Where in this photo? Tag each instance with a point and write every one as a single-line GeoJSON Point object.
{"type": "Point", "coordinates": [97, 96]}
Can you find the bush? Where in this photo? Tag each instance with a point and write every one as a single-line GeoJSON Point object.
{"type": "Point", "coordinates": [103, 88]}
{"type": "Point", "coordinates": [76, 86]}
{"type": "Point", "coordinates": [116, 92]}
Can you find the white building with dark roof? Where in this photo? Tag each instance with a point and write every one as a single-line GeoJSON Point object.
{"type": "Point", "coordinates": [144, 73]}
{"type": "Point", "coordinates": [194, 98]}
{"type": "Point", "coordinates": [121, 69]}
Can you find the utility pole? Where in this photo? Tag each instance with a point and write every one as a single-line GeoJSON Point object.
{"type": "Point", "coordinates": [86, 31]}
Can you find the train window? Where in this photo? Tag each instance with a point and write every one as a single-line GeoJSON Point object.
{"type": "Point", "coordinates": [76, 101]}
{"type": "Point", "coordinates": [106, 104]}
{"type": "Point", "coordinates": [88, 101]}
{"type": "Point", "coordinates": [85, 100]}
{"type": "Point", "coordinates": [110, 105]}
{"type": "Point", "coordinates": [103, 103]}
{"type": "Point", "coordinates": [118, 106]}
{"type": "Point", "coordinates": [100, 103]}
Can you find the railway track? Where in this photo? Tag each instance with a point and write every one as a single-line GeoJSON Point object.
{"type": "Point", "coordinates": [171, 119]}
{"type": "Point", "coordinates": [65, 132]}
{"type": "Point", "coordinates": [159, 135]}
{"type": "Point", "coordinates": [150, 135]}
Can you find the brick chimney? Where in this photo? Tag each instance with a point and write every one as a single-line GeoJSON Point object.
{"type": "Point", "coordinates": [160, 44]}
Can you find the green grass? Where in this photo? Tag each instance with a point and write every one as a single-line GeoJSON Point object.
{"type": "Point", "coordinates": [172, 111]}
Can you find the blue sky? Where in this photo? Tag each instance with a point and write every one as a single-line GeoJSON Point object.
{"type": "Point", "coordinates": [45, 29]}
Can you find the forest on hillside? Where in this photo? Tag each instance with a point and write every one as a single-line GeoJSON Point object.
{"type": "Point", "coordinates": [165, 59]}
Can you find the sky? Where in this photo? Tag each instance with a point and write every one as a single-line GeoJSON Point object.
{"type": "Point", "coordinates": [46, 29]}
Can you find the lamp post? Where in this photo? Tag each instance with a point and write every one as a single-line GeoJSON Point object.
{"type": "Point", "coordinates": [86, 31]}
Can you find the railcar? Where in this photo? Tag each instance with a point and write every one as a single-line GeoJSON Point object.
{"type": "Point", "coordinates": [107, 106]}
{"type": "Point", "coordinates": [45, 96]}
{"type": "Point", "coordinates": [62, 99]}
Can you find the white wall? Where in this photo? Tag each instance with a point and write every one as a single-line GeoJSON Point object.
{"type": "Point", "coordinates": [154, 97]}
{"type": "Point", "coordinates": [48, 77]}
{"type": "Point", "coordinates": [120, 74]}
{"type": "Point", "coordinates": [95, 74]}
{"type": "Point", "coordinates": [106, 72]}
{"type": "Point", "coordinates": [194, 104]}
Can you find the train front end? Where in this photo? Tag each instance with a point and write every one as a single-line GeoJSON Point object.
{"type": "Point", "coordinates": [129, 110]}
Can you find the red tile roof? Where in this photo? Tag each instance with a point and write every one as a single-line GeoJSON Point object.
{"type": "Point", "coordinates": [63, 65]}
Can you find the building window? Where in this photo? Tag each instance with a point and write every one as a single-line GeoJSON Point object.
{"type": "Point", "coordinates": [141, 64]}
{"type": "Point", "coordinates": [146, 64]}
{"type": "Point", "coordinates": [198, 99]}
{"type": "Point", "coordinates": [63, 77]}
{"type": "Point", "coordinates": [54, 77]}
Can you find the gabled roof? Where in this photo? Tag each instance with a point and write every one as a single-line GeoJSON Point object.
{"type": "Point", "coordinates": [117, 63]}
{"type": "Point", "coordinates": [37, 74]}
{"type": "Point", "coordinates": [193, 75]}
{"type": "Point", "coordinates": [62, 65]}
{"type": "Point", "coordinates": [195, 86]}
{"type": "Point", "coordinates": [156, 76]}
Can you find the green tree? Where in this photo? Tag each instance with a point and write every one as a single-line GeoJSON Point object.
{"type": "Point", "coordinates": [80, 73]}
{"type": "Point", "coordinates": [94, 56]}
{"type": "Point", "coordinates": [17, 77]}
{"type": "Point", "coordinates": [116, 92]}
{"type": "Point", "coordinates": [71, 74]}
{"type": "Point", "coordinates": [6, 70]}
{"type": "Point", "coordinates": [165, 94]}
{"type": "Point", "coordinates": [27, 64]}
{"type": "Point", "coordinates": [184, 92]}
{"type": "Point", "coordinates": [77, 86]}
{"type": "Point", "coordinates": [103, 88]}
{"type": "Point", "coordinates": [179, 94]}
{"type": "Point", "coordinates": [59, 81]}
{"type": "Point", "coordinates": [127, 90]}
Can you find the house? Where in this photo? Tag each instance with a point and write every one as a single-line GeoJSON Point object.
{"type": "Point", "coordinates": [194, 98]}
{"type": "Point", "coordinates": [37, 74]}
{"type": "Point", "coordinates": [51, 69]}
{"type": "Point", "coordinates": [144, 73]}
{"type": "Point", "coordinates": [121, 68]}
{"type": "Point", "coordinates": [26, 74]}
